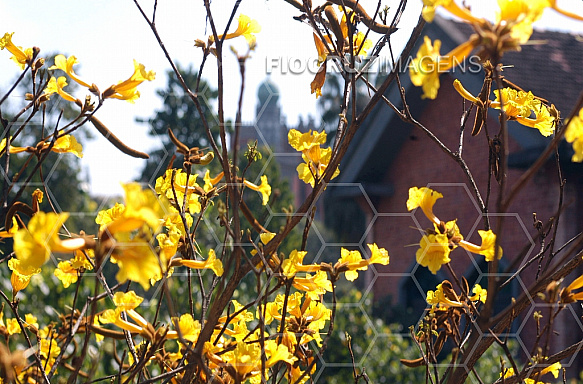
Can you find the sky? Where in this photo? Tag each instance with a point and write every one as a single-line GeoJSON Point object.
{"type": "Point", "coordinates": [107, 35]}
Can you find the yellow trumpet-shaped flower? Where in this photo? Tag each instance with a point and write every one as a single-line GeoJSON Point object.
{"type": "Point", "coordinates": [211, 263]}
{"type": "Point", "coordinates": [210, 182]}
{"type": "Point", "coordinates": [480, 294]}
{"type": "Point", "coordinates": [354, 262]}
{"type": "Point", "coordinates": [66, 65]}
{"type": "Point", "coordinates": [425, 199]}
{"type": "Point", "coordinates": [316, 158]}
{"type": "Point", "coordinates": [125, 302]}
{"type": "Point", "coordinates": [21, 56]}
{"type": "Point", "coordinates": [67, 271]}
{"type": "Point", "coordinates": [136, 259]}
{"type": "Point", "coordinates": [451, 6]}
{"type": "Point", "coordinates": [127, 89]}
{"type": "Point", "coordinates": [142, 207]}
{"type": "Point", "coordinates": [304, 141]}
{"type": "Point", "coordinates": [487, 248]}
{"type": "Point", "coordinates": [567, 294]}
{"type": "Point", "coordinates": [314, 286]}
{"type": "Point", "coordinates": [574, 134]}
{"type": "Point", "coordinates": [433, 252]}
{"type": "Point", "coordinates": [167, 186]}
{"type": "Point", "coordinates": [520, 15]}
{"type": "Point", "coordinates": [21, 275]}
{"type": "Point", "coordinates": [68, 144]}
{"type": "Point", "coordinates": [246, 27]}
{"type": "Point", "coordinates": [429, 64]}
{"type": "Point", "coordinates": [264, 188]}
{"type": "Point", "coordinates": [56, 85]}
{"type": "Point", "coordinates": [34, 244]}
{"type": "Point", "coordinates": [294, 264]}
{"type": "Point", "coordinates": [109, 215]}
{"type": "Point", "coordinates": [518, 106]}
{"type": "Point", "coordinates": [189, 328]}
{"type": "Point", "coordinates": [64, 144]}
{"type": "Point", "coordinates": [438, 298]}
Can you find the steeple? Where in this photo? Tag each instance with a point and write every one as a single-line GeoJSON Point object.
{"type": "Point", "coordinates": [268, 114]}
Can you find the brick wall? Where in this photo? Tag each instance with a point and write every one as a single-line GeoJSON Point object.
{"type": "Point", "coordinates": [421, 163]}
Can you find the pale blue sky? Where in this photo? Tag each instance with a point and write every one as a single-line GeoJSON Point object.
{"type": "Point", "coordinates": [107, 35]}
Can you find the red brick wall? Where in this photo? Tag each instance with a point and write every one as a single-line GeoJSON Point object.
{"type": "Point", "coordinates": [421, 163]}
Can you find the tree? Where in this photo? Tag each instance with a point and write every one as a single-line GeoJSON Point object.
{"type": "Point", "coordinates": [181, 115]}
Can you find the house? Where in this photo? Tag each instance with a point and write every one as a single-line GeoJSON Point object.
{"type": "Point", "coordinates": [388, 156]}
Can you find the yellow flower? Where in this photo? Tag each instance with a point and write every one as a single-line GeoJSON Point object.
{"type": "Point", "coordinates": [480, 294]}
{"type": "Point", "coordinates": [554, 369]}
{"type": "Point", "coordinates": [63, 144]}
{"type": "Point", "coordinates": [68, 144]}
{"type": "Point", "coordinates": [33, 245]}
{"type": "Point", "coordinates": [211, 263]}
{"type": "Point", "coordinates": [189, 328]}
{"type": "Point", "coordinates": [574, 134]}
{"type": "Point", "coordinates": [518, 105]}
{"type": "Point", "coordinates": [378, 255]}
{"type": "Point", "coordinates": [424, 198]}
{"type": "Point", "coordinates": [21, 57]}
{"type": "Point", "coordinates": [168, 243]}
{"type": "Point", "coordinates": [126, 90]}
{"type": "Point", "coordinates": [568, 296]}
{"type": "Point", "coordinates": [136, 260]}
{"type": "Point", "coordinates": [246, 27]}
{"type": "Point", "coordinates": [316, 162]}
{"type": "Point", "coordinates": [66, 65]}
{"type": "Point", "coordinates": [520, 14]}
{"type": "Point", "coordinates": [125, 302]}
{"type": "Point", "coordinates": [486, 248]}
{"type": "Point", "coordinates": [12, 326]}
{"type": "Point", "coordinates": [433, 252]}
{"type": "Point", "coordinates": [142, 207]}
{"type": "Point", "coordinates": [321, 48]}
{"type": "Point", "coordinates": [438, 299]}
{"type": "Point", "coordinates": [56, 86]}
{"type": "Point", "coordinates": [264, 188]}
{"type": "Point", "coordinates": [164, 186]}
{"type": "Point", "coordinates": [354, 263]}
{"type": "Point", "coordinates": [304, 141]}
{"type": "Point", "coordinates": [429, 7]}
{"type": "Point", "coordinates": [21, 275]}
{"type": "Point", "coordinates": [316, 159]}
{"type": "Point", "coordinates": [294, 264]}
{"type": "Point", "coordinates": [30, 320]}
{"type": "Point", "coordinates": [67, 271]}
{"type": "Point", "coordinates": [209, 183]}
{"type": "Point", "coordinates": [428, 65]}
{"type": "Point", "coordinates": [314, 286]}
{"type": "Point", "coordinates": [49, 350]}
{"type": "Point", "coordinates": [360, 46]}
{"type": "Point", "coordinates": [109, 215]}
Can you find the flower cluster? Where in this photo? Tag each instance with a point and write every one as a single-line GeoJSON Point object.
{"type": "Point", "coordinates": [518, 106]}
{"type": "Point", "coordinates": [512, 28]}
{"type": "Point", "coordinates": [316, 159]}
{"type": "Point", "coordinates": [437, 243]}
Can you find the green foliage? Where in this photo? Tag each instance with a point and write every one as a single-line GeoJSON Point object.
{"type": "Point", "coordinates": [377, 346]}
